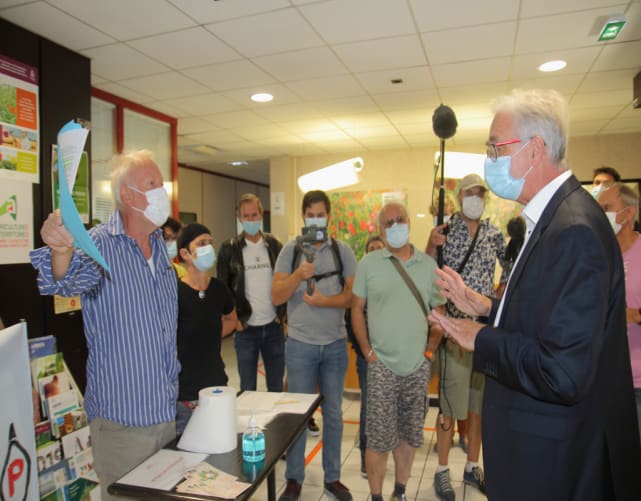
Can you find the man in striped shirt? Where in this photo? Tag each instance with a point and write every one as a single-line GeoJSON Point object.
{"type": "Point", "coordinates": [129, 317]}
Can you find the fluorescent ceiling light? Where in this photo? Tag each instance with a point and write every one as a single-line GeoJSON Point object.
{"type": "Point", "coordinates": [552, 66]}
{"type": "Point", "coordinates": [238, 163]}
{"type": "Point", "coordinates": [262, 97]}
{"type": "Point", "coordinates": [334, 176]}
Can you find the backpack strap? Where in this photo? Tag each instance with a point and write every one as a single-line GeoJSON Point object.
{"type": "Point", "coordinates": [338, 262]}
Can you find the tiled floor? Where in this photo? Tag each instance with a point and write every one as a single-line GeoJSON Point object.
{"type": "Point", "coordinates": [419, 487]}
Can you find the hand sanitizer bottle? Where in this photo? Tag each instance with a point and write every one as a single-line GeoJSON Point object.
{"type": "Point", "coordinates": [253, 442]}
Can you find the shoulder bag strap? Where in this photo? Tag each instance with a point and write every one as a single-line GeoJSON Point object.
{"type": "Point", "coordinates": [470, 250]}
{"type": "Point", "coordinates": [410, 283]}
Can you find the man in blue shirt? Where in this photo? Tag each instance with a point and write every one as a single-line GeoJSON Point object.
{"type": "Point", "coordinates": [129, 317]}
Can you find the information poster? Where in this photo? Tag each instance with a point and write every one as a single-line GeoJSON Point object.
{"type": "Point", "coordinates": [19, 134]}
{"type": "Point", "coordinates": [16, 221]}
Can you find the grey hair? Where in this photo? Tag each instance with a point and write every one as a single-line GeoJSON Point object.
{"type": "Point", "coordinates": [539, 112]}
{"type": "Point", "coordinates": [384, 210]}
{"type": "Point", "coordinates": [629, 197]}
{"type": "Point", "coordinates": [121, 169]}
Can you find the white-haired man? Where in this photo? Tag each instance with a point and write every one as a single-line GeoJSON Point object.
{"type": "Point", "coordinates": [129, 317]}
{"type": "Point", "coordinates": [559, 419]}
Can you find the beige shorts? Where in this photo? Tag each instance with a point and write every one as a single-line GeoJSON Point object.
{"type": "Point", "coordinates": [460, 387]}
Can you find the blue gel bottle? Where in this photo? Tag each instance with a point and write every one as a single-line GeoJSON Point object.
{"type": "Point", "coordinates": [253, 442]}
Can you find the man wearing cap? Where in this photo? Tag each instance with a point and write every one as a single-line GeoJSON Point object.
{"type": "Point", "coordinates": [471, 246]}
{"type": "Point", "coordinates": [206, 314]}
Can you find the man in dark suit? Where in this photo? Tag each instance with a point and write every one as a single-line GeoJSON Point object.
{"type": "Point", "coordinates": [559, 419]}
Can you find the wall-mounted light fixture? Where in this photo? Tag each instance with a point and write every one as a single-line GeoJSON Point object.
{"type": "Point", "coordinates": [459, 165]}
{"type": "Point", "coordinates": [334, 176]}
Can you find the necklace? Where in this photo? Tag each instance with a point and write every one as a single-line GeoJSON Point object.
{"type": "Point", "coordinates": [201, 294]}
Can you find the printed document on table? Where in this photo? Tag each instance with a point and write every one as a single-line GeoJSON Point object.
{"type": "Point", "coordinates": [163, 470]}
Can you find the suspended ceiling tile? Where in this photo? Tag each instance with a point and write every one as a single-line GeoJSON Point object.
{"type": "Point", "coordinates": [126, 19]}
{"type": "Point", "coordinates": [185, 48]}
{"type": "Point", "coordinates": [382, 54]}
{"type": "Point", "coordinates": [340, 21]}
{"type": "Point", "coordinates": [278, 31]}
{"type": "Point", "coordinates": [118, 61]}
{"type": "Point", "coordinates": [51, 23]}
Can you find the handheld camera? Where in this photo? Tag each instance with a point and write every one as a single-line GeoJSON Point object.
{"type": "Point", "coordinates": [310, 235]}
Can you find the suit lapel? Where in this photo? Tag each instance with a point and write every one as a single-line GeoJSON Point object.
{"type": "Point", "coordinates": [561, 194]}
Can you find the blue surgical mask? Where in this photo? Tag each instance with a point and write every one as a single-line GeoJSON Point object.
{"type": "Point", "coordinates": [321, 222]}
{"type": "Point", "coordinates": [596, 190]}
{"type": "Point", "coordinates": [172, 249]}
{"type": "Point", "coordinates": [398, 235]}
{"type": "Point", "coordinates": [205, 257]}
{"type": "Point", "coordinates": [251, 227]}
{"type": "Point", "coordinates": [498, 178]}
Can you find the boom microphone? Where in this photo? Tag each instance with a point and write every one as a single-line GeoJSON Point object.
{"type": "Point", "coordinates": [444, 122]}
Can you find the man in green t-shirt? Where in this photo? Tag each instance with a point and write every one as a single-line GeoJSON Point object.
{"type": "Point", "coordinates": [397, 372]}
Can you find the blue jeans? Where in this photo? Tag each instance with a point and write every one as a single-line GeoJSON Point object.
{"type": "Point", "coordinates": [361, 370]}
{"type": "Point", "coordinates": [307, 365]}
{"type": "Point", "coordinates": [270, 342]}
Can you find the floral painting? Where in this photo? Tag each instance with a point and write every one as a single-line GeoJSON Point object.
{"type": "Point", "coordinates": [355, 215]}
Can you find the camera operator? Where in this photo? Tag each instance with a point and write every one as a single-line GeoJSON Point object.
{"type": "Point", "coordinates": [316, 349]}
{"type": "Point", "coordinates": [471, 246]}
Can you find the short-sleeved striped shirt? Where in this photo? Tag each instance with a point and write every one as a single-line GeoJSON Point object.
{"type": "Point", "coordinates": [129, 320]}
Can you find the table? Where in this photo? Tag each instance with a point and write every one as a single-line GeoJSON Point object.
{"type": "Point", "coordinates": [279, 435]}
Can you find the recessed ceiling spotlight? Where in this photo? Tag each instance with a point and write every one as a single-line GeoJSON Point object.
{"type": "Point", "coordinates": [262, 97]}
{"type": "Point", "coordinates": [238, 163]}
{"type": "Point", "coordinates": [552, 66]}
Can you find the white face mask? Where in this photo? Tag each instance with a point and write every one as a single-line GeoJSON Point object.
{"type": "Point", "coordinates": [473, 207]}
{"type": "Point", "coordinates": [612, 217]}
{"type": "Point", "coordinates": [157, 210]}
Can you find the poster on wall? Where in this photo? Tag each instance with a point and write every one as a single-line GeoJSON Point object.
{"type": "Point", "coordinates": [19, 134]}
{"type": "Point", "coordinates": [355, 215]}
{"type": "Point", "coordinates": [16, 221]}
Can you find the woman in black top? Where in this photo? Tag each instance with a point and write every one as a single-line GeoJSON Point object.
{"type": "Point", "coordinates": [206, 314]}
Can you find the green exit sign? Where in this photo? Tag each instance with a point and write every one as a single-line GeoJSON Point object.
{"type": "Point", "coordinates": [611, 29]}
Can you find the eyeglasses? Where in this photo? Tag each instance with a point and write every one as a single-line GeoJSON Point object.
{"type": "Point", "coordinates": [492, 148]}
